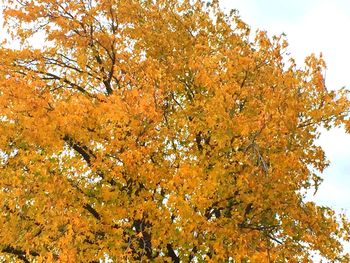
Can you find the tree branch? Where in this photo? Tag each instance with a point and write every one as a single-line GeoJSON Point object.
{"type": "Point", "coordinates": [92, 211]}
{"type": "Point", "coordinates": [172, 254]}
{"type": "Point", "coordinates": [19, 253]}
{"type": "Point", "coordinates": [83, 150]}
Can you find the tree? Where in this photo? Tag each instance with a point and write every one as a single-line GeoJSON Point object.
{"type": "Point", "coordinates": [159, 131]}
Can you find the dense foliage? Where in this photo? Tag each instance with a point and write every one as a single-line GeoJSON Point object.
{"type": "Point", "coordinates": [159, 131]}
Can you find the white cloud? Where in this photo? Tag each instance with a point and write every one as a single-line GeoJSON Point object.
{"type": "Point", "coordinates": [322, 30]}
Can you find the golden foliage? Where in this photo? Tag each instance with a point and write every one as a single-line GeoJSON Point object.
{"type": "Point", "coordinates": [159, 131]}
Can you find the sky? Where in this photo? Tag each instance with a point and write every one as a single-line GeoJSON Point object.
{"type": "Point", "coordinates": [313, 26]}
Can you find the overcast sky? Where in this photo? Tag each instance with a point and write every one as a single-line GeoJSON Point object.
{"type": "Point", "coordinates": [314, 26]}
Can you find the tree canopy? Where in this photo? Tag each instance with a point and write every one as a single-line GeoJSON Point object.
{"type": "Point", "coordinates": [159, 131]}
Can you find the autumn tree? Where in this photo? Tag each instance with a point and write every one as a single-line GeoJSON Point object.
{"type": "Point", "coordinates": [159, 131]}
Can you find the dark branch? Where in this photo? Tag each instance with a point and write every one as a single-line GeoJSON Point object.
{"type": "Point", "coordinates": [172, 254]}
{"type": "Point", "coordinates": [19, 253]}
{"type": "Point", "coordinates": [87, 154]}
{"type": "Point", "coordinates": [92, 211]}
{"type": "Point", "coordinates": [83, 150]}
